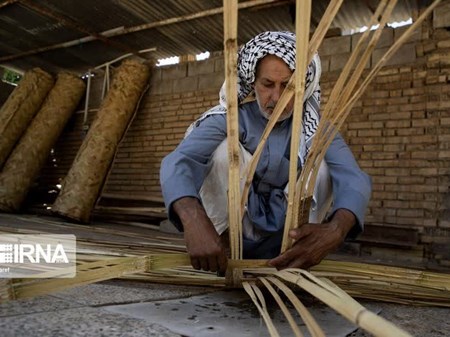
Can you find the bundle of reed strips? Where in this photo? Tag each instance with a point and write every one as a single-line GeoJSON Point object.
{"type": "Point", "coordinates": [166, 255]}
{"type": "Point", "coordinates": [163, 259]}
{"type": "Point", "coordinates": [105, 253]}
{"type": "Point", "coordinates": [121, 256]}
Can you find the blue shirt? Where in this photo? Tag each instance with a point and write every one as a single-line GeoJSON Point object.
{"type": "Point", "coordinates": [184, 170]}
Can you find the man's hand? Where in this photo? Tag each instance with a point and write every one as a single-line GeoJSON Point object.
{"type": "Point", "coordinates": [315, 241]}
{"type": "Point", "coordinates": [202, 240]}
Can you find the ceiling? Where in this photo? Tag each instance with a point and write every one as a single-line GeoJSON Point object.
{"type": "Point", "coordinates": [82, 34]}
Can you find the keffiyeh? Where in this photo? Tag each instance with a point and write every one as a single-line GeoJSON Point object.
{"type": "Point", "coordinates": [281, 44]}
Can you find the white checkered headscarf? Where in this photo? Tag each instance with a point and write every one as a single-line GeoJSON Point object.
{"type": "Point", "coordinates": [281, 44]}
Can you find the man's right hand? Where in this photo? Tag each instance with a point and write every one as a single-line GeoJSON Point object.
{"type": "Point", "coordinates": [202, 240]}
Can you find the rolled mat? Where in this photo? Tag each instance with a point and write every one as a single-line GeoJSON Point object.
{"type": "Point", "coordinates": [33, 149]}
{"type": "Point", "coordinates": [20, 108]}
{"type": "Point", "coordinates": [83, 183]}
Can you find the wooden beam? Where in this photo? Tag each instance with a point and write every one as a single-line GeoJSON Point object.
{"type": "Point", "coordinates": [7, 3]}
{"type": "Point", "coordinates": [198, 15]}
{"type": "Point", "coordinates": [66, 21]}
{"type": "Point", "coordinates": [122, 31]}
{"type": "Point", "coordinates": [370, 7]}
{"type": "Point", "coordinates": [61, 45]}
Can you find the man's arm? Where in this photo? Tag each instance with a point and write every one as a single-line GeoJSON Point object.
{"type": "Point", "coordinates": [351, 193]}
{"type": "Point", "coordinates": [184, 170]}
{"type": "Point", "coordinates": [182, 174]}
{"type": "Point", "coordinates": [202, 240]}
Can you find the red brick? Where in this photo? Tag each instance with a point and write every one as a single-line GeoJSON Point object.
{"type": "Point", "coordinates": [410, 132]}
{"type": "Point", "coordinates": [394, 147]}
{"type": "Point", "coordinates": [396, 204]}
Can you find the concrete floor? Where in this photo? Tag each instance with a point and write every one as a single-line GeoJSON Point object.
{"type": "Point", "coordinates": [134, 308]}
{"type": "Point", "coordinates": [124, 308]}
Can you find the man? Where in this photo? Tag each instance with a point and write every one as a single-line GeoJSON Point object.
{"type": "Point", "coordinates": [194, 176]}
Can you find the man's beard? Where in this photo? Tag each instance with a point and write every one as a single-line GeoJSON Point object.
{"type": "Point", "coordinates": [266, 115]}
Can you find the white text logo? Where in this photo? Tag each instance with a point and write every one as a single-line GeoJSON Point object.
{"type": "Point", "coordinates": [37, 256]}
{"type": "Point", "coordinates": [21, 253]}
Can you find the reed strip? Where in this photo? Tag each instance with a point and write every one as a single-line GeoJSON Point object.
{"type": "Point", "coordinates": [104, 270]}
{"type": "Point", "coordinates": [295, 329]}
{"type": "Point", "coordinates": [258, 299]}
{"type": "Point", "coordinates": [303, 15]}
{"type": "Point", "coordinates": [159, 261]}
{"type": "Point", "coordinates": [230, 13]}
{"type": "Point", "coordinates": [312, 325]}
{"type": "Point", "coordinates": [343, 304]}
{"type": "Point", "coordinates": [306, 182]}
{"type": "Point", "coordinates": [345, 110]}
{"type": "Point", "coordinates": [342, 91]}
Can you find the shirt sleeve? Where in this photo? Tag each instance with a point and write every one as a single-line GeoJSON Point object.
{"type": "Point", "coordinates": [351, 186]}
{"type": "Point", "coordinates": [184, 170]}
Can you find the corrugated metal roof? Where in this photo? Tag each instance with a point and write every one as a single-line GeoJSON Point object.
{"type": "Point", "coordinates": [24, 27]}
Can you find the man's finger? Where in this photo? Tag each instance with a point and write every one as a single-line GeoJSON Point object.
{"type": "Point", "coordinates": [195, 263]}
{"type": "Point", "coordinates": [204, 264]}
{"type": "Point", "coordinates": [298, 263]}
{"type": "Point", "coordinates": [222, 261]}
{"type": "Point", "coordinates": [212, 261]}
{"type": "Point", "coordinates": [280, 262]}
{"type": "Point", "coordinates": [301, 232]}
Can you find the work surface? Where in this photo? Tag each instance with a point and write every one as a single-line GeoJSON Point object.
{"type": "Point", "coordinates": [124, 308]}
{"type": "Point", "coordinates": [136, 308]}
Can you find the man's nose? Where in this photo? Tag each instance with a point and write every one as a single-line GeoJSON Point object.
{"type": "Point", "coordinates": [276, 93]}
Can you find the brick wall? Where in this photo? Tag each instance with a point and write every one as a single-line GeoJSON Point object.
{"type": "Point", "coordinates": [399, 132]}
{"type": "Point", "coordinates": [178, 95]}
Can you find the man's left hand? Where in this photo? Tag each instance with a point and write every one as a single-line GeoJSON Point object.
{"type": "Point", "coordinates": [312, 242]}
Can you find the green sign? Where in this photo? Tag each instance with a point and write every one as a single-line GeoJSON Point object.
{"type": "Point", "coordinates": [11, 77]}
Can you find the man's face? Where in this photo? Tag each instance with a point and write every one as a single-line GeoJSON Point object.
{"type": "Point", "coordinates": [272, 76]}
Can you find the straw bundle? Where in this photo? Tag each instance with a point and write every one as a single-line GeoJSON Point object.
{"type": "Point", "coordinates": [151, 256]}
{"type": "Point", "coordinates": [86, 177]}
{"type": "Point", "coordinates": [334, 114]}
{"type": "Point", "coordinates": [20, 108]}
{"type": "Point", "coordinates": [29, 156]}
{"type": "Point", "coordinates": [161, 258]}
